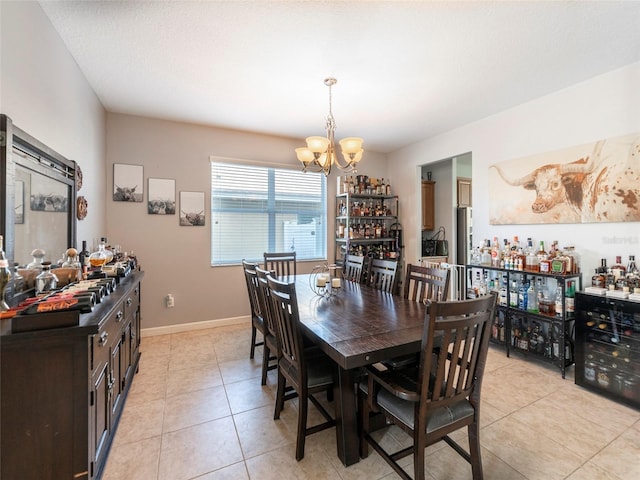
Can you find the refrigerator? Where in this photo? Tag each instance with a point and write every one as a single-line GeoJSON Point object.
{"type": "Point", "coordinates": [464, 235]}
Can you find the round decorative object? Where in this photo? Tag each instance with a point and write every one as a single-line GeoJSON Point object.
{"type": "Point", "coordinates": [326, 280]}
{"type": "Point", "coordinates": [82, 205]}
{"type": "Point", "coordinates": [78, 177]}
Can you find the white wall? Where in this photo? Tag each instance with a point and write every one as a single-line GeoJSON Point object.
{"type": "Point", "coordinates": [602, 107]}
{"type": "Point", "coordinates": [45, 94]}
{"type": "Point", "coordinates": [176, 259]}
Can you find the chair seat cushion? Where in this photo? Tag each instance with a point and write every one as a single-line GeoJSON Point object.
{"type": "Point", "coordinates": [439, 418]}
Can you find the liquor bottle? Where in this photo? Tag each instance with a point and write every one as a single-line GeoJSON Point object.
{"type": "Point", "coordinates": [5, 276]}
{"type": "Point", "coordinates": [502, 292]}
{"type": "Point", "coordinates": [570, 299]}
{"type": "Point", "coordinates": [495, 253]}
{"type": "Point", "coordinates": [46, 281]}
{"type": "Point", "coordinates": [632, 269]}
{"type": "Point", "coordinates": [513, 294]}
{"type": "Point", "coordinates": [531, 258]}
{"type": "Point", "coordinates": [523, 296]}
{"type": "Point", "coordinates": [388, 189]}
{"type": "Point", "coordinates": [618, 270]}
{"type": "Point", "coordinates": [83, 257]}
{"type": "Point", "coordinates": [532, 297]}
{"type": "Point", "coordinates": [541, 253]}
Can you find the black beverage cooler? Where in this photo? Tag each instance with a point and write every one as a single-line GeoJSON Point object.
{"type": "Point", "coordinates": [608, 347]}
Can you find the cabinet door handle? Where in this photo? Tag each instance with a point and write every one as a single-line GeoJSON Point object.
{"type": "Point", "coordinates": [103, 339]}
{"type": "Point", "coordinates": [129, 302]}
{"type": "Point", "coordinates": [119, 316]}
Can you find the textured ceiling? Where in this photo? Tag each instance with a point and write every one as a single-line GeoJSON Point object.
{"type": "Point", "coordinates": [405, 70]}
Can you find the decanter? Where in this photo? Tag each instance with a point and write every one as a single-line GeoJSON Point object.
{"type": "Point", "coordinates": [38, 257]}
{"type": "Point", "coordinates": [46, 281]}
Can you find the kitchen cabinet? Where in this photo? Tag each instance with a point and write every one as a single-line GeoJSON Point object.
{"type": "Point", "coordinates": [428, 204]}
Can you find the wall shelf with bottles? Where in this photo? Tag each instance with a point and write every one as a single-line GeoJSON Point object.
{"type": "Point", "coordinates": [532, 320]}
{"type": "Point", "coordinates": [366, 224]}
{"type": "Point", "coordinates": [608, 347]}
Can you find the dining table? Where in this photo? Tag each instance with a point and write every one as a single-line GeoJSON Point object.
{"type": "Point", "coordinates": [356, 325]}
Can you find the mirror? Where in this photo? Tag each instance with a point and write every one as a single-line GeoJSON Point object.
{"type": "Point", "coordinates": [38, 192]}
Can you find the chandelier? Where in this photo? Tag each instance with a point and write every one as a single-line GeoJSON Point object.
{"type": "Point", "coordinates": [320, 153]}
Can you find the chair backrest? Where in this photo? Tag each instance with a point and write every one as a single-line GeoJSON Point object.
{"type": "Point", "coordinates": [284, 309]}
{"type": "Point", "coordinates": [264, 297]}
{"type": "Point", "coordinates": [252, 287]}
{"type": "Point", "coordinates": [426, 284]}
{"type": "Point", "coordinates": [282, 263]}
{"type": "Point", "coordinates": [353, 265]}
{"type": "Point", "coordinates": [382, 274]}
{"type": "Point", "coordinates": [459, 331]}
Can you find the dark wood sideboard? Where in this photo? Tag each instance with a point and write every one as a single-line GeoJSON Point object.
{"type": "Point", "coordinates": [62, 390]}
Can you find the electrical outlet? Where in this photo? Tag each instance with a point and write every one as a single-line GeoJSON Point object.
{"type": "Point", "coordinates": [170, 301]}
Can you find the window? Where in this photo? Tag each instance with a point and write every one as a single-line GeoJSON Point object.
{"type": "Point", "coordinates": [257, 209]}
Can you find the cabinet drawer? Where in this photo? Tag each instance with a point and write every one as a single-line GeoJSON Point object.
{"type": "Point", "coordinates": [132, 301]}
{"type": "Point", "coordinates": [110, 331]}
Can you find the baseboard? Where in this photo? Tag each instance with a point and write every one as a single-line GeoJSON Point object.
{"type": "Point", "coordinates": [186, 327]}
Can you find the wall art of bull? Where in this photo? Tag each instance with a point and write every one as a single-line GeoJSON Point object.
{"type": "Point", "coordinates": [589, 183]}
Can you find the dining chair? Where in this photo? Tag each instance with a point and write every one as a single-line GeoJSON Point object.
{"type": "Point", "coordinates": [307, 376]}
{"type": "Point", "coordinates": [257, 322]}
{"type": "Point", "coordinates": [426, 284]}
{"type": "Point", "coordinates": [353, 265]}
{"type": "Point", "coordinates": [282, 263]}
{"type": "Point", "coordinates": [382, 274]}
{"type": "Point", "coordinates": [270, 350]}
{"type": "Point", "coordinates": [441, 394]}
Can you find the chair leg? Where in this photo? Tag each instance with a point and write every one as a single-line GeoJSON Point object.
{"type": "Point", "coordinates": [418, 460]}
{"type": "Point", "coordinates": [303, 403]}
{"type": "Point", "coordinates": [474, 451]}
{"type": "Point", "coordinates": [266, 355]}
{"type": "Point", "coordinates": [280, 396]}
{"type": "Point", "coordinates": [253, 342]}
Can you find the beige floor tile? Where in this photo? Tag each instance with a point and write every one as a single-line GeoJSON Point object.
{"type": "Point", "coordinates": [591, 471]}
{"type": "Point", "coordinates": [622, 456]}
{"type": "Point", "coordinates": [260, 433]}
{"type": "Point", "coordinates": [147, 387]}
{"type": "Point", "coordinates": [196, 377]}
{"type": "Point", "coordinates": [536, 456]}
{"type": "Point", "coordinates": [197, 450]}
{"type": "Point", "coordinates": [280, 464]}
{"type": "Point", "coordinates": [237, 471]}
{"type": "Point", "coordinates": [185, 358]}
{"type": "Point", "coordinates": [245, 395]}
{"type": "Point", "coordinates": [134, 460]}
{"type": "Point", "coordinates": [446, 464]}
{"type": "Point", "coordinates": [243, 369]}
{"type": "Point", "coordinates": [564, 425]}
{"type": "Point", "coordinates": [140, 422]}
{"type": "Point", "coordinates": [193, 408]}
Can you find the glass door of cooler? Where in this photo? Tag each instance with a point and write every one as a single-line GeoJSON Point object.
{"type": "Point", "coordinates": [608, 347]}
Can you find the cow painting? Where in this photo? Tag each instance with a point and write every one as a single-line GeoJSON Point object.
{"type": "Point", "coordinates": [192, 219]}
{"type": "Point", "coordinates": [601, 185]}
{"type": "Point", "coordinates": [125, 194]}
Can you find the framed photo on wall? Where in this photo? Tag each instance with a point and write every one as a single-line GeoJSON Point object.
{"type": "Point", "coordinates": [128, 183]}
{"type": "Point", "coordinates": [192, 209]}
{"type": "Point", "coordinates": [47, 196]}
{"type": "Point", "coordinates": [162, 196]}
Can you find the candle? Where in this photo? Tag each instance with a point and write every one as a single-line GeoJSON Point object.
{"type": "Point", "coordinates": [335, 283]}
{"type": "Point", "coordinates": [321, 281]}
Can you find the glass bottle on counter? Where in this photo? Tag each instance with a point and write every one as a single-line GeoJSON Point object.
{"type": "Point", "coordinates": [632, 268]}
{"type": "Point", "coordinates": [38, 258]}
{"type": "Point", "coordinates": [5, 276]}
{"type": "Point", "coordinates": [618, 269]}
{"type": "Point", "coordinates": [46, 281]}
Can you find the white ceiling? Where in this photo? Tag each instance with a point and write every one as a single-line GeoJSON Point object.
{"type": "Point", "coordinates": [406, 70]}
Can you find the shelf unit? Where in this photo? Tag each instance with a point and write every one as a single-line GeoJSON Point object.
{"type": "Point", "coordinates": [608, 347]}
{"type": "Point", "coordinates": [354, 212]}
{"type": "Point", "coordinates": [544, 333]}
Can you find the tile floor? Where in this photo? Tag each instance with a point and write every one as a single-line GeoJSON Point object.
{"type": "Point", "coordinates": [196, 410]}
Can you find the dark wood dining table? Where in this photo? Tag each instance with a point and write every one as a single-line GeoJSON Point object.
{"type": "Point", "coordinates": [358, 326]}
